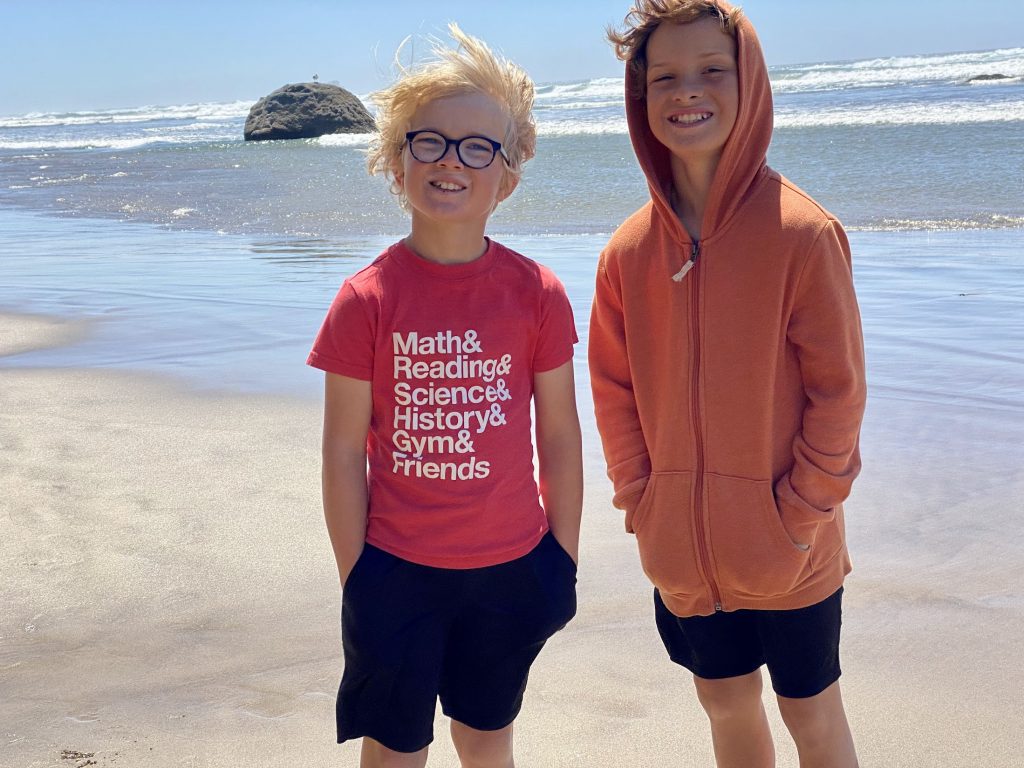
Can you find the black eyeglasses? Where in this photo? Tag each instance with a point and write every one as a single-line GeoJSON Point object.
{"type": "Point", "coordinates": [473, 151]}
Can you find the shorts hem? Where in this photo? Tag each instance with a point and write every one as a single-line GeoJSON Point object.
{"type": "Point", "coordinates": [505, 722]}
{"type": "Point", "coordinates": [809, 692]}
{"type": "Point", "coordinates": [706, 675]}
{"type": "Point", "coordinates": [404, 748]}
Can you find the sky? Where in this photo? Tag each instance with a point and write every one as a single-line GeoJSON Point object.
{"type": "Point", "coordinates": [79, 55]}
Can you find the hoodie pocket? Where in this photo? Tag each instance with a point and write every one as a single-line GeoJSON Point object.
{"type": "Point", "coordinates": [664, 524]}
{"type": "Point", "coordinates": [753, 554]}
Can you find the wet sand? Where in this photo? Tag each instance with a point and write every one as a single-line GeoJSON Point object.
{"type": "Point", "coordinates": [170, 600]}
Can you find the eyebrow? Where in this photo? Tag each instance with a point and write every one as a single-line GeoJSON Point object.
{"type": "Point", "coordinates": [471, 135]}
{"type": "Point", "coordinates": [703, 55]}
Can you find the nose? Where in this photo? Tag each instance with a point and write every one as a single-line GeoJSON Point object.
{"type": "Point", "coordinates": [689, 88]}
{"type": "Point", "coordinates": [452, 152]}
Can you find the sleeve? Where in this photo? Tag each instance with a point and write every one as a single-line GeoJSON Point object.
{"type": "Point", "coordinates": [345, 343]}
{"type": "Point", "coordinates": [557, 333]}
{"type": "Point", "coordinates": [618, 421]}
{"type": "Point", "coordinates": [825, 329]}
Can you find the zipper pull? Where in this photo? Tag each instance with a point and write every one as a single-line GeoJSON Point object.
{"type": "Point", "coordinates": [694, 253]}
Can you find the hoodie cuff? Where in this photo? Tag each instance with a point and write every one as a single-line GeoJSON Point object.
{"type": "Point", "coordinates": [628, 498]}
{"type": "Point", "coordinates": [799, 518]}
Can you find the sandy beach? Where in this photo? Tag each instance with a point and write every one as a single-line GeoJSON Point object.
{"type": "Point", "coordinates": [168, 594]}
{"type": "Point", "coordinates": [170, 600]}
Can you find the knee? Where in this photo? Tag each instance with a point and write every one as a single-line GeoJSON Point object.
{"type": "Point", "coordinates": [376, 755]}
{"type": "Point", "coordinates": [732, 697]}
{"type": "Point", "coordinates": [815, 720]}
{"type": "Point", "coordinates": [482, 749]}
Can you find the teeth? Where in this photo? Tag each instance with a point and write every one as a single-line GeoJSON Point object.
{"type": "Point", "coordinates": [690, 119]}
{"type": "Point", "coordinates": [447, 186]}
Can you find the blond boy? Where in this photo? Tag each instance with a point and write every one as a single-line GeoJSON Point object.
{"type": "Point", "coordinates": [455, 568]}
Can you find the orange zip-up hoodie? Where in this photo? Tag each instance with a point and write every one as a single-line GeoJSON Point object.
{"type": "Point", "coordinates": [729, 400]}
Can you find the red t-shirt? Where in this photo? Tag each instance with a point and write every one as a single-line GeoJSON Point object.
{"type": "Point", "coordinates": [451, 350]}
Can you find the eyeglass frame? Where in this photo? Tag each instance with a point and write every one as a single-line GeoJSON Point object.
{"type": "Point", "coordinates": [457, 143]}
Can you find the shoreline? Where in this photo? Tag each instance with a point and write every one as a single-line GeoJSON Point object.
{"type": "Point", "coordinates": [172, 599]}
{"type": "Point", "coordinates": [28, 332]}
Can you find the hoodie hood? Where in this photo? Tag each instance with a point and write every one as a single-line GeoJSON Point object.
{"type": "Point", "coordinates": [743, 160]}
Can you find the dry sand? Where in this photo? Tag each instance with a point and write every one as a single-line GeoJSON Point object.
{"type": "Point", "coordinates": [169, 597]}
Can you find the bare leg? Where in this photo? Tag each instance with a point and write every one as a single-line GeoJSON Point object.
{"type": "Point", "coordinates": [739, 725]}
{"type": "Point", "coordinates": [819, 728]}
{"type": "Point", "coordinates": [376, 755]}
{"type": "Point", "coordinates": [483, 749]}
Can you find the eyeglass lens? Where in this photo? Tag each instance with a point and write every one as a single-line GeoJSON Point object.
{"type": "Point", "coordinates": [473, 151]}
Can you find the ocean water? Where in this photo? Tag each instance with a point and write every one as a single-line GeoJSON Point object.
{"type": "Point", "coordinates": [192, 253]}
{"type": "Point", "coordinates": [892, 144]}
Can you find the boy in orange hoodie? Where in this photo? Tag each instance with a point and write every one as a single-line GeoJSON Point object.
{"type": "Point", "coordinates": [728, 375]}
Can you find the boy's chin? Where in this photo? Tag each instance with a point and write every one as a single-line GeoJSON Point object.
{"type": "Point", "coordinates": [695, 153]}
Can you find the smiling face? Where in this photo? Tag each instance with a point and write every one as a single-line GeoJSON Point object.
{"type": "Point", "coordinates": [692, 88]}
{"type": "Point", "coordinates": [447, 191]}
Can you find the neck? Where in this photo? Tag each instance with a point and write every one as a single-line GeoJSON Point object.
{"type": "Point", "coordinates": [691, 181]}
{"type": "Point", "coordinates": [446, 243]}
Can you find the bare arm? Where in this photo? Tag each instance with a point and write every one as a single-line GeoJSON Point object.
{"type": "Point", "coordinates": [560, 451]}
{"type": "Point", "coordinates": [347, 408]}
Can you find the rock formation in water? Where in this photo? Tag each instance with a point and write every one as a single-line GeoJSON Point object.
{"type": "Point", "coordinates": [305, 111]}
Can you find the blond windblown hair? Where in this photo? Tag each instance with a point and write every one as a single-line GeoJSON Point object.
{"type": "Point", "coordinates": [471, 67]}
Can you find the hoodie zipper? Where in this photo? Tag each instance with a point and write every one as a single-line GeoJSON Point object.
{"type": "Point", "coordinates": [694, 253]}
{"type": "Point", "coordinates": [698, 485]}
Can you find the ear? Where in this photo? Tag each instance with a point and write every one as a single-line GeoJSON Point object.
{"type": "Point", "coordinates": [398, 174]}
{"type": "Point", "coordinates": [509, 182]}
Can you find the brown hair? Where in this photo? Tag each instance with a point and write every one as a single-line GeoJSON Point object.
{"type": "Point", "coordinates": [647, 15]}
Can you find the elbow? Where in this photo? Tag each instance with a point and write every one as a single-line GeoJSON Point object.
{"type": "Point", "coordinates": [337, 453]}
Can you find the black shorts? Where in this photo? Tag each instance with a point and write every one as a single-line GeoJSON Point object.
{"type": "Point", "coordinates": [800, 647]}
{"type": "Point", "coordinates": [412, 634]}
